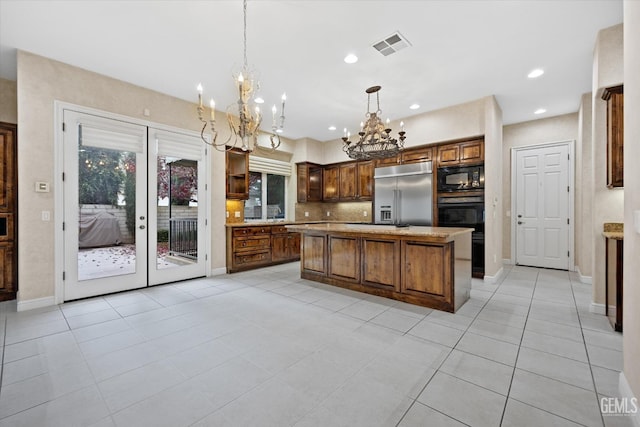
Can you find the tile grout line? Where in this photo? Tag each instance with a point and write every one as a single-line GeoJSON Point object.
{"type": "Point", "coordinates": [586, 350]}
{"type": "Point", "coordinates": [444, 359]}
{"type": "Point", "coordinates": [4, 344]}
{"type": "Point", "coordinates": [515, 363]}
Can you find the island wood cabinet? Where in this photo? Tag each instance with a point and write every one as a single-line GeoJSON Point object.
{"type": "Point", "coordinates": [615, 136]}
{"type": "Point", "coordinates": [344, 258]}
{"type": "Point", "coordinates": [418, 269]}
{"type": "Point", "coordinates": [237, 174]}
{"type": "Point", "coordinates": [461, 153]}
{"type": "Point", "coordinates": [8, 194]}
{"type": "Point", "coordinates": [251, 247]}
{"type": "Point", "coordinates": [309, 182]}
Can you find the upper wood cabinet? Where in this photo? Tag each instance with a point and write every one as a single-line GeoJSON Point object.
{"type": "Point", "coordinates": [309, 182]}
{"type": "Point", "coordinates": [348, 181]}
{"type": "Point", "coordinates": [237, 165]}
{"type": "Point", "coordinates": [461, 153]}
{"type": "Point", "coordinates": [365, 180]}
{"type": "Point", "coordinates": [330, 183]}
{"type": "Point", "coordinates": [615, 136]}
{"type": "Point", "coordinates": [410, 155]}
{"type": "Point", "coordinates": [417, 155]}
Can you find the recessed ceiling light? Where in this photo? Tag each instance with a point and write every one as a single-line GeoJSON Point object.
{"type": "Point", "coordinates": [534, 74]}
{"type": "Point", "coordinates": [259, 100]}
{"type": "Point", "coordinates": [540, 111]}
{"type": "Point", "coordinates": [332, 128]}
{"type": "Point", "coordinates": [279, 130]}
{"type": "Point", "coordinates": [351, 59]}
{"type": "Point", "coordinates": [414, 106]}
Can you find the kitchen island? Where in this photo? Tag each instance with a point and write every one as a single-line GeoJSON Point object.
{"type": "Point", "coordinates": [428, 266]}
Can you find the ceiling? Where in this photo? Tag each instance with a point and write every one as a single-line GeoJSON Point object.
{"type": "Point", "coordinates": [460, 51]}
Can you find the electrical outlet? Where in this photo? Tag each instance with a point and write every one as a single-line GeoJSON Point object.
{"type": "Point", "coordinates": [495, 258]}
{"type": "Point", "coordinates": [306, 214]}
{"type": "Point", "coordinates": [364, 213]}
{"type": "Point", "coordinates": [328, 213]}
{"type": "Point", "coordinates": [237, 214]}
{"type": "Point", "coordinates": [46, 216]}
{"type": "Point", "coordinates": [227, 214]}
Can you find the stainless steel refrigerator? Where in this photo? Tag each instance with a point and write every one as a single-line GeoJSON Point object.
{"type": "Point", "coordinates": [404, 194]}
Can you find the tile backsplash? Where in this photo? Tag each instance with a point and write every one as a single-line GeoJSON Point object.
{"type": "Point", "coordinates": [235, 207]}
{"type": "Point", "coordinates": [343, 211]}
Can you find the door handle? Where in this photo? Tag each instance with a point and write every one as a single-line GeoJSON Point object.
{"type": "Point", "coordinates": [142, 227]}
{"type": "Point", "coordinates": [520, 222]}
{"type": "Point", "coordinates": [520, 216]}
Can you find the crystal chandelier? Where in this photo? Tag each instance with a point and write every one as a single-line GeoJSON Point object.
{"type": "Point", "coordinates": [243, 117]}
{"type": "Point", "coordinates": [375, 138]}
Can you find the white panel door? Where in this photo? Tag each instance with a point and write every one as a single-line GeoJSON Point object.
{"type": "Point", "coordinates": [542, 207]}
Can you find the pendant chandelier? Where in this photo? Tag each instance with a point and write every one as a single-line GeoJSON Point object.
{"type": "Point", "coordinates": [243, 117]}
{"type": "Point", "coordinates": [375, 140]}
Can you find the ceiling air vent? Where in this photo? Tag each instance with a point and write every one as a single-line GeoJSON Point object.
{"type": "Point", "coordinates": [392, 44]}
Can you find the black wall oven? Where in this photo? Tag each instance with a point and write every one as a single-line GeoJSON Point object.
{"type": "Point", "coordinates": [468, 212]}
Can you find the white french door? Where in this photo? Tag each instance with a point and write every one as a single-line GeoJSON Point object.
{"type": "Point", "coordinates": [542, 206]}
{"type": "Point", "coordinates": [134, 203]}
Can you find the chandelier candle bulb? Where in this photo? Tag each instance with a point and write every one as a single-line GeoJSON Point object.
{"type": "Point", "coordinates": [212, 104]}
{"type": "Point", "coordinates": [274, 111]}
{"type": "Point", "coordinates": [402, 126]}
{"type": "Point", "coordinates": [200, 95]}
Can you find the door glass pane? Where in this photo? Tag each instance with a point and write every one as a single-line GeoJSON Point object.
{"type": "Point", "coordinates": [177, 206]}
{"type": "Point", "coordinates": [275, 196]}
{"type": "Point", "coordinates": [107, 195]}
{"type": "Point", "coordinates": [253, 205]}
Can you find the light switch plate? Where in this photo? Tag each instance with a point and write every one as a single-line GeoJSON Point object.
{"type": "Point", "coordinates": [237, 214]}
{"type": "Point", "coordinates": [42, 187]}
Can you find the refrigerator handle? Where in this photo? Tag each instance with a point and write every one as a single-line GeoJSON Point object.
{"type": "Point", "coordinates": [395, 207]}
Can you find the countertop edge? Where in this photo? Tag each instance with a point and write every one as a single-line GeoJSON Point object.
{"type": "Point", "coordinates": [446, 233]}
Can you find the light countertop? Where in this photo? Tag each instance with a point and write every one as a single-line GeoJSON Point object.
{"type": "Point", "coordinates": [613, 230]}
{"type": "Point", "coordinates": [443, 233]}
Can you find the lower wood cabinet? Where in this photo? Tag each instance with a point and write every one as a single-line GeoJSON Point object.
{"type": "Point", "coordinates": [344, 258]}
{"type": "Point", "coordinates": [313, 254]}
{"type": "Point", "coordinates": [259, 246]}
{"type": "Point", "coordinates": [380, 263]}
{"type": "Point", "coordinates": [426, 271]}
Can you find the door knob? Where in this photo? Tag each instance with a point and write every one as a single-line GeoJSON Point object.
{"type": "Point", "coordinates": [142, 218]}
{"type": "Point", "coordinates": [142, 227]}
{"type": "Point", "coordinates": [519, 216]}
{"type": "Point", "coordinates": [520, 222]}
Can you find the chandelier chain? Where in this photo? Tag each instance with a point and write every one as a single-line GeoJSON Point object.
{"type": "Point", "coordinates": [244, 9]}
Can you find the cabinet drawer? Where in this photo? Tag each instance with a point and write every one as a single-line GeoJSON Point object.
{"type": "Point", "coordinates": [251, 243]}
{"type": "Point", "coordinates": [250, 231]}
{"type": "Point", "coordinates": [415, 156]}
{"type": "Point", "coordinates": [279, 229]}
{"type": "Point", "coordinates": [252, 258]}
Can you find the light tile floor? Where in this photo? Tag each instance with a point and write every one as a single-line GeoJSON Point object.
{"type": "Point", "coordinates": [265, 348]}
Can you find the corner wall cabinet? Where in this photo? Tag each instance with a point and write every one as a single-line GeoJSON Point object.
{"type": "Point", "coordinates": [309, 182]}
{"type": "Point", "coordinates": [615, 135]}
{"type": "Point", "coordinates": [237, 168]}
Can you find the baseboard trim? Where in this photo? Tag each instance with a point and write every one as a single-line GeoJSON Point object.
{"type": "Point", "coordinates": [496, 278]}
{"type": "Point", "coordinates": [32, 304]}
{"type": "Point", "coordinates": [625, 391]}
{"type": "Point", "coordinates": [583, 279]}
{"type": "Point", "coordinates": [218, 271]}
{"type": "Point", "coordinates": [596, 308]}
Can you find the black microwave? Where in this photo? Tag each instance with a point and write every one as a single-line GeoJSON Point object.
{"type": "Point", "coordinates": [460, 178]}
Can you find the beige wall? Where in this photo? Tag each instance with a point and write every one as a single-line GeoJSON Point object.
{"type": "Point", "coordinates": [41, 81]}
{"type": "Point", "coordinates": [607, 204]}
{"type": "Point", "coordinates": [541, 131]}
{"type": "Point", "coordinates": [8, 101]}
{"type": "Point", "coordinates": [631, 320]}
{"type": "Point", "coordinates": [584, 192]}
{"type": "Point", "coordinates": [493, 188]}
